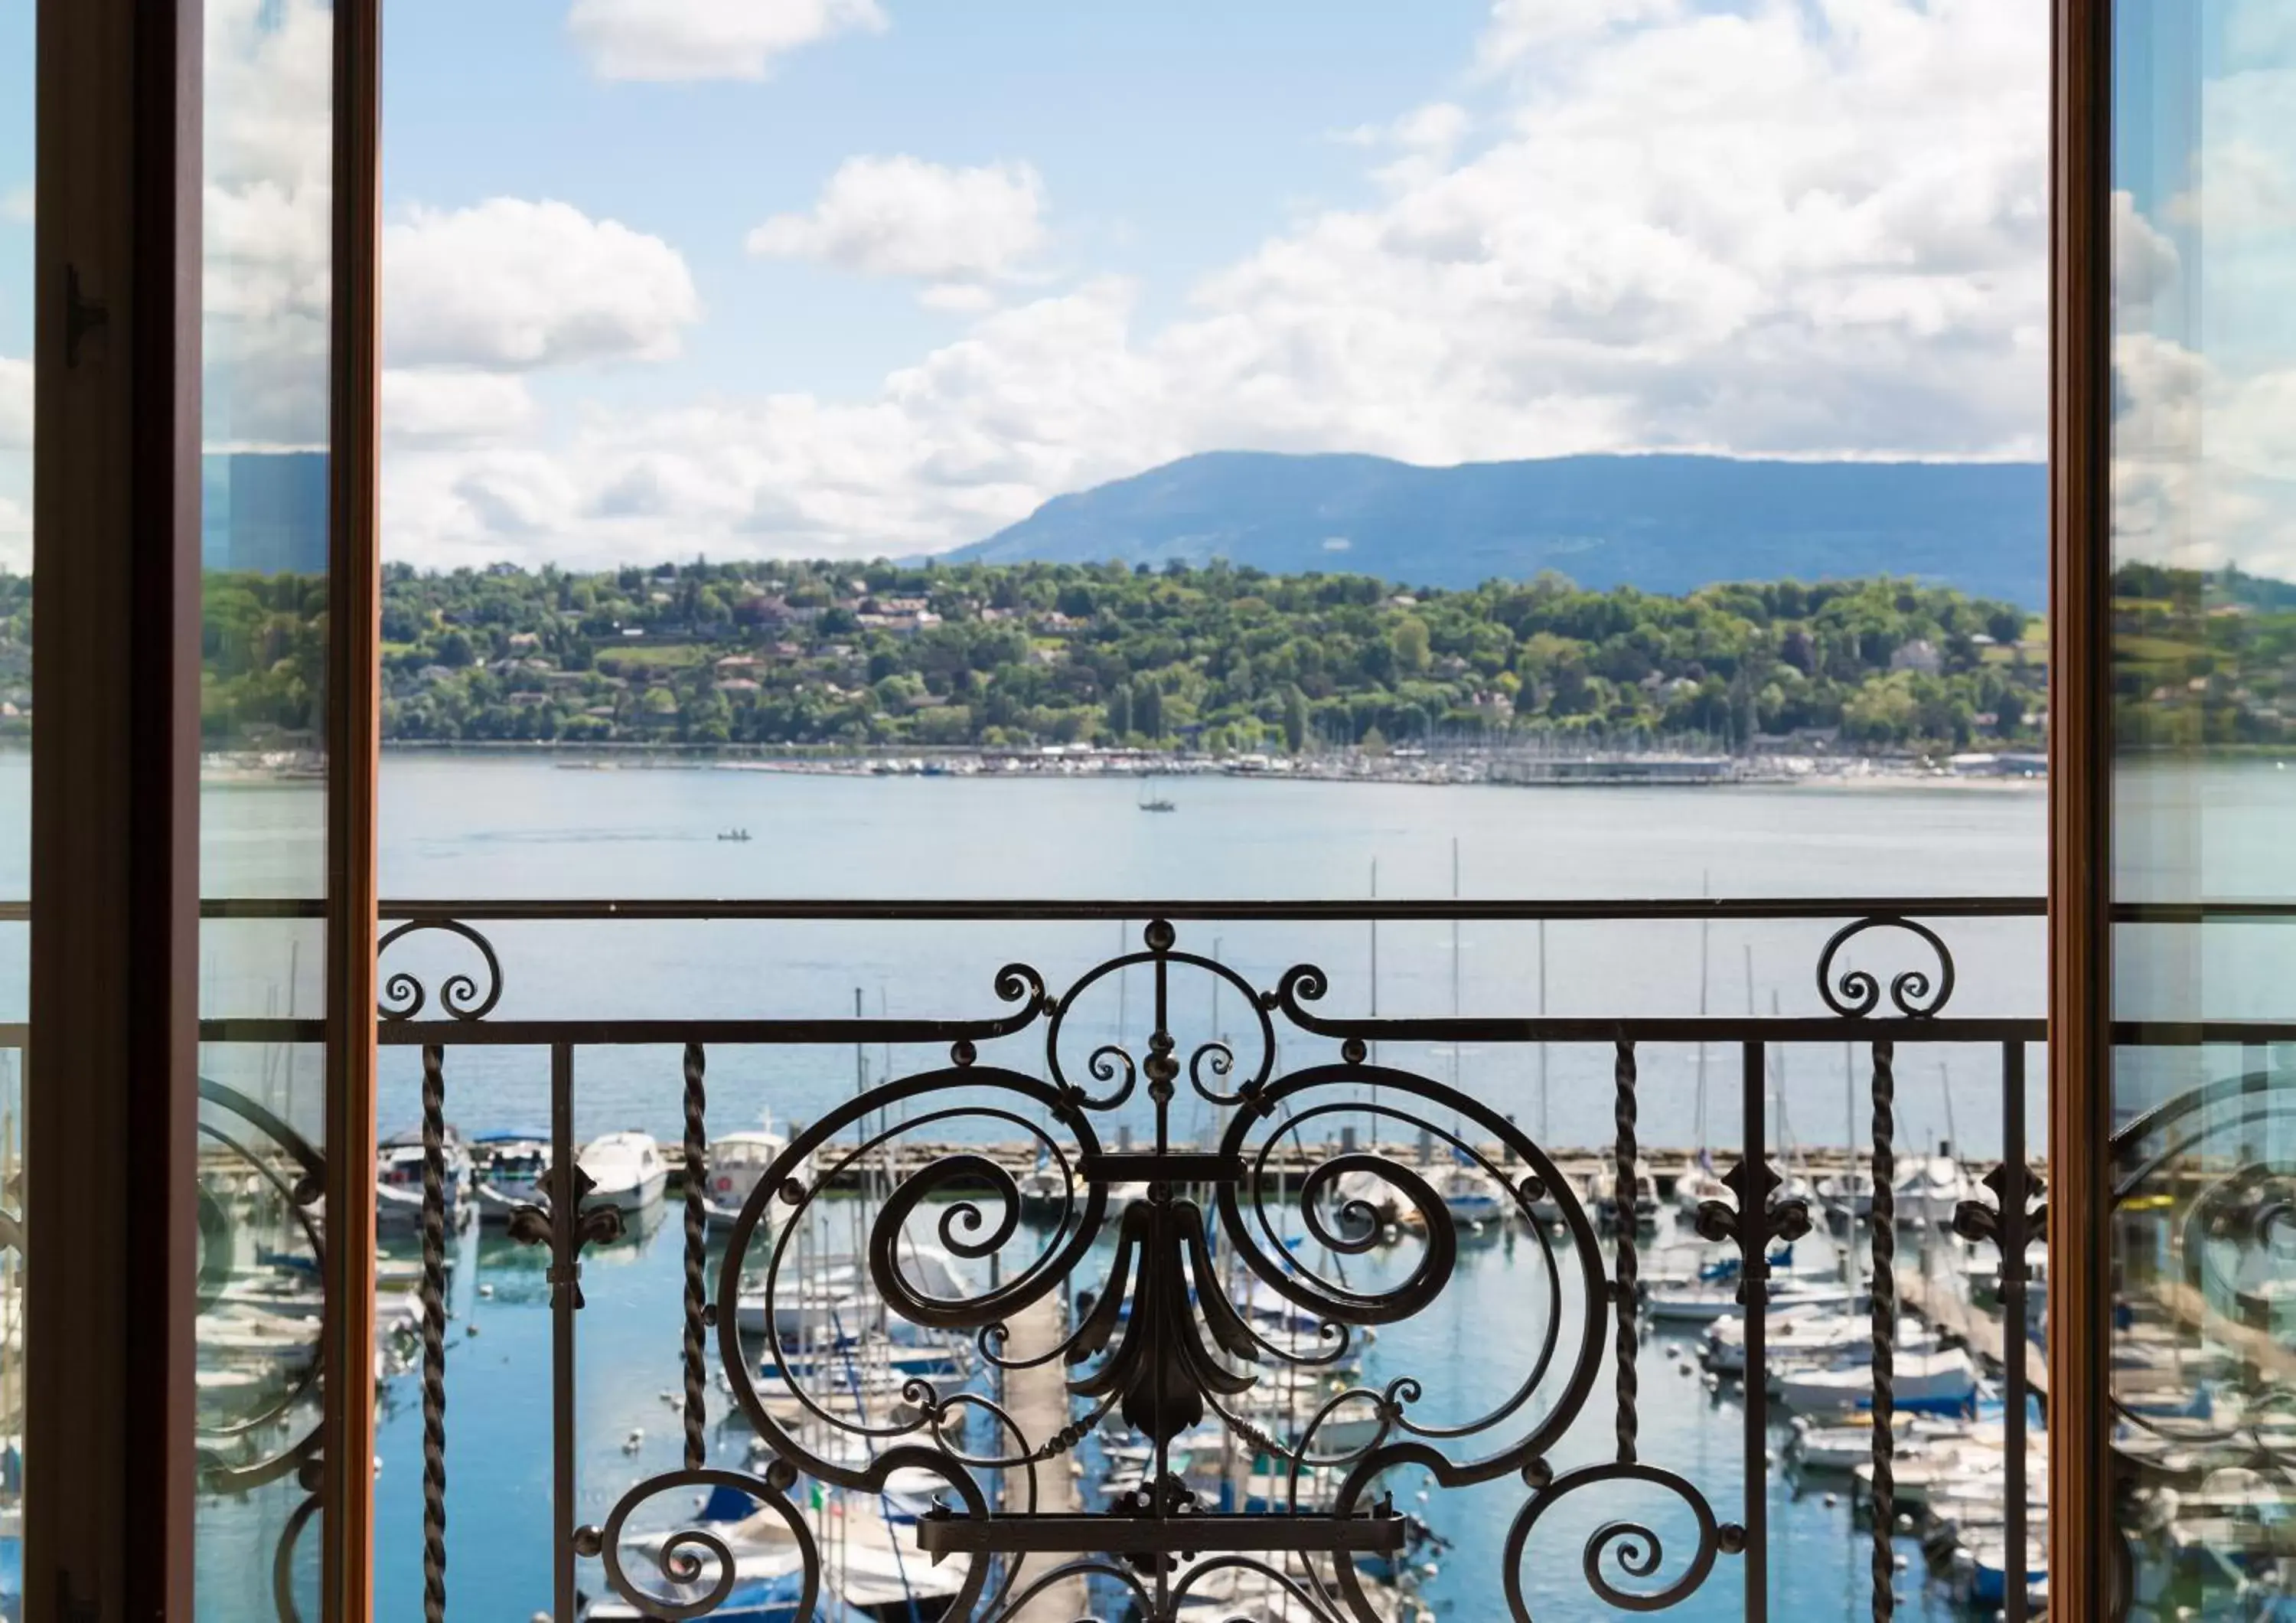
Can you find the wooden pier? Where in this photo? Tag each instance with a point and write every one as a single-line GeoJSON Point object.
{"type": "Point", "coordinates": [1038, 1399]}
{"type": "Point", "coordinates": [1982, 1329]}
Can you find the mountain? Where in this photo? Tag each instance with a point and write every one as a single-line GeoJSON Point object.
{"type": "Point", "coordinates": [1665, 524]}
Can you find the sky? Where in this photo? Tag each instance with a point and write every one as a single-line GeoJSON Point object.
{"type": "Point", "coordinates": [864, 277]}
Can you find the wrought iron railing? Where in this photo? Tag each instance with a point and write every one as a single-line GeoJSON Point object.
{"type": "Point", "coordinates": [1161, 1342]}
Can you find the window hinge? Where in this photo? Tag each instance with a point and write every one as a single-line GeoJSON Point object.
{"type": "Point", "coordinates": [74, 1607]}
{"type": "Point", "coordinates": [82, 315]}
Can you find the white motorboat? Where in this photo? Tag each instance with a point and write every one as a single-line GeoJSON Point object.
{"type": "Point", "coordinates": [736, 1162]}
{"type": "Point", "coordinates": [1696, 1184]}
{"type": "Point", "coordinates": [1046, 1192]}
{"type": "Point", "coordinates": [506, 1170]}
{"type": "Point", "coordinates": [835, 1301]}
{"type": "Point", "coordinates": [1935, 1382]}
{"type": "Point", "coordinates": [1601, 1191]}
{"type": "Point", "coordinates": [1932, 1191]}
{"type": "Point", "coordinates": [625, 1171]}
{"type": "Point", "coordinates": [1839, 1448]}
{"type": "Point", "coordinates": [1849, 1194]}
{"type": "Point", "coordinates": [398, 1180]}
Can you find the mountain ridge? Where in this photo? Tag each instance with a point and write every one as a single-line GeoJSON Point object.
{"type": "Point", "coordinates": [1667, 522]}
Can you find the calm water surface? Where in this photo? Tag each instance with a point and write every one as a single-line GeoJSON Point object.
{"type": "Point", "coordinates": [516, 828]}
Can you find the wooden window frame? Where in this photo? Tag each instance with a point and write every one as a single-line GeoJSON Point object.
{"type": "Point", "coordinates": [112, 1097]}
{"type": "Point", "coordinates": [2081, 1534]}
{"type": "Point", "coordinates": [107, 1467]}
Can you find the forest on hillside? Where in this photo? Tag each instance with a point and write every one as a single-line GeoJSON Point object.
{"type": "Point", "coordinates": [1217, 659]}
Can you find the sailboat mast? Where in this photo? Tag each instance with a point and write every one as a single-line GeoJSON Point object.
{"type": "Point", "coordinates": [1543, 1138]}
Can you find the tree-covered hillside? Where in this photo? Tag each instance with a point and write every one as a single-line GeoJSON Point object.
{"type": "Point", "coordinates": [1217, 657]}
{"type": "Point", "coordinates": [1009, 655]}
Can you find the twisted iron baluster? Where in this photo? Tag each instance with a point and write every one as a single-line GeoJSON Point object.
{"type": "Point", "coordinates": [434, 1333]}
{"type": "Point", "coordinates": [1883, 1224]}
{"type": "Point", "coordinates": [697, 1183]}
{"type": "Point", "coordinates": [1623, 1288]}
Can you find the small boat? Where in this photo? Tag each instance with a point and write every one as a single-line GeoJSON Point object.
{"type": "Point", "coordinates": [1601, 1191]}
{"type": "Point", "coordinates": [1152, 802]}
{"type": "Point", "coordinates": [740, 836]}
{"type": "Point", "coordinates": [1842, 1447]}
{"type": "Point", "coordinates": [1045, 1190]}
{"type": "Point", "coordinates": [1932, 1191]}
{"type": "Point", "coordinates": [625, 1171]}
{"type": "Point", "coordinates": [837, 1301]}
{"type": "Point", "coordinates": [506, 1170]}
{"type": "Point", "coordinates": [1696, 1184]}
{"type": "Point", "coordinates": [398, 1180]}
{"type": "Point", "coordinates": [1936, 1382]}
{"type": "Point", "coordinates": [736, 1162]}
{"type": "Point", "coordinates": [1848, 1194]}
{"type": "Point", "coordinates": [1473, 1197]}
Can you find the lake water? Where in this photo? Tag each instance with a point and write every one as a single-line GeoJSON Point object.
{"type": "Point", "coordinates": [520, 828]}
{"type": "Point", "coordinates": [482, 827]}
{"type": "Point", "coordinates": [524, 828]}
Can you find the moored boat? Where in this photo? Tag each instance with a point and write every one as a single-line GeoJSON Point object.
{"type": "Point", "coordinates": [736, 1162]}
{"type": "Point", "coordinates": [624, 1169]}
{"type": "Point", "coordinates": [506, 1170]}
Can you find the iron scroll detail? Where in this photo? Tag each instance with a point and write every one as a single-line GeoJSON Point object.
{"type": "Point", "coordinates": [1916, 994]}
{"type": "Point", "coordinates": [1200, 1303]}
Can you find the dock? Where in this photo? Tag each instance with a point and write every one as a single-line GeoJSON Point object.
{"type": "Point", "coordinates": [1982, 1329]}
{"type": "Point", "coordinates": [1037, 1399]}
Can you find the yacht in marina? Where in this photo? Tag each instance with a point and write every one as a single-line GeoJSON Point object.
{"type": "Point", "coordinates": [398, 1180]}
{"type": "Point", "coordinates": [736, 1162]}
{"type": "Point", "coordinates": [507, 1170]}
{"type": "Point", "coordinates": [625, 1171]}
{"type": "Point", "coordinates": [1942, 1381]}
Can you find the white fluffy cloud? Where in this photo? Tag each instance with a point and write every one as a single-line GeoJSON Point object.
{"type": "Point", "coordinates": [269, 66]}
{"type": "Point", "coordinates": [703, 39]}
{"type": "Point", "coordinates": [15, 404]}
{"type": "Point", "coordinates": [1791, 230]}
{"type": "Point", "coordinates": [1519, 28]}
{"type": "Point", "coordinates": [514, 284]}
{"type": "Point", "coordinates": [903, 217]}
{"type": "Point", "coordinates": [453, 406]}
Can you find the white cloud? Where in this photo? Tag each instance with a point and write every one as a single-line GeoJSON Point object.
{"type": "Point", "coordinates": [269, 72]}
{"type": "Point", "coordinates": [1790, 230]}
{"type": "Point", "coordinates": [15, 403]}
{"type": "Point", "coordinates": [453, 406]}
{"type": "Point", "coordinates": [904, 217]}
{"type": "Point", "coordinates": [512, 285]}
{"type": "Point", "coordinates": [2145, 263]}
{"type": "Point", "coordinates": [1519, 28]}
{"type": "Point", "coordinates": [17, 204]}
{"type": "Point", "coordinates": [706, 39]}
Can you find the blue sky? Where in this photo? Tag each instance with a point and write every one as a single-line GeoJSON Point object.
{"type": "Point", "coordinates": [1174, 136]}
{"type": "Point", "coordinates": [860, 277]}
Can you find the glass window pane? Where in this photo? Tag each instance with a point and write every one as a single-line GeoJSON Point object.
{"type": "Point", "coordinates": [263, 805]}
{"type": "Point", "coordinates": [2203, 631]}
{"type": "Point", "coordinates": [16, 147]}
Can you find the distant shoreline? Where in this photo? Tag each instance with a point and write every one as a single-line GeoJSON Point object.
{"type": "Point", "coordinates": [1590, 770]}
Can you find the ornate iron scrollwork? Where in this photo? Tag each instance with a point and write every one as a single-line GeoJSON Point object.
{"type": "Point", "coordinates": [404, 995]}
{"type": "Point", "coordinates": [1162, 1343]}
{"type": "Point", "coordinates": [1916, 994]}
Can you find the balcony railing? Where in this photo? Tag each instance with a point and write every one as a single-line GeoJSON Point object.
{"type": "Point", "coordinates": [1155, 1300]}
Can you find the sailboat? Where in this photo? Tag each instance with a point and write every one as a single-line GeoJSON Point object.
{"type": "Point", "coordinates": [1150, 801]}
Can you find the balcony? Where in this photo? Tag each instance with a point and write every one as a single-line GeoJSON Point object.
{"type": "Point", "coordinates": [1174, 1286]}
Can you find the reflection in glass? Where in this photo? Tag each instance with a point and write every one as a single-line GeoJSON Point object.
{"type": "Point", "coordinates": [16, 145]}
{"type": "Point", "coordinates": [2204, 628]}
{"type": "Point", "coordinates": [262, 806]}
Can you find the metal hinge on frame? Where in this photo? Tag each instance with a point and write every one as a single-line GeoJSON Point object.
{"type": "Point", "coordinates": [82, 315]}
